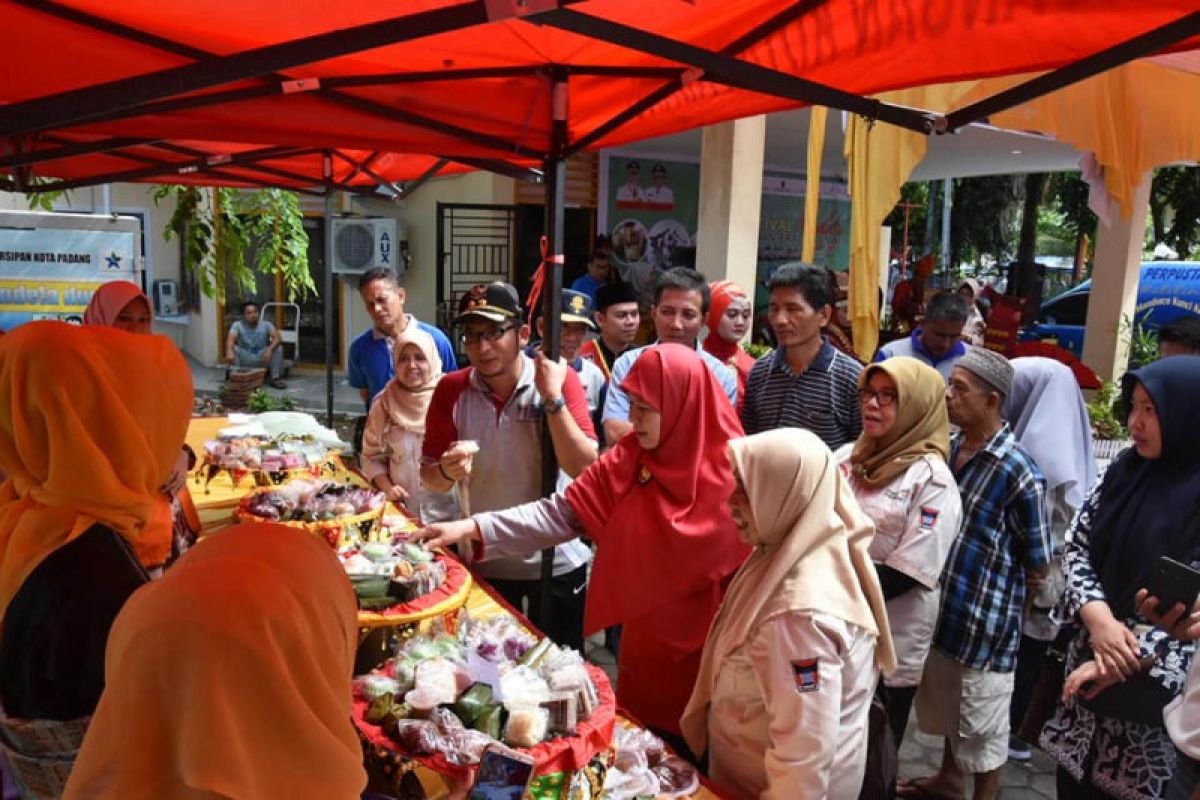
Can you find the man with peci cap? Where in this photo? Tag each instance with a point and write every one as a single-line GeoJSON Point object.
{"type": "Point", "coordinates": [498, 403]}
{"type": "Point", "coordinates": [1000, 556]}
{"type": "Point", "coordinates": [618, 318]}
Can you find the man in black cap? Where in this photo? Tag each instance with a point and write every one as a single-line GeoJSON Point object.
{"type": "Point", "coordinates": [618, 316]}
{"type": "Point", "coordinates": [576, 313]}
{"type": "Point", "coordinates": [483, 433]}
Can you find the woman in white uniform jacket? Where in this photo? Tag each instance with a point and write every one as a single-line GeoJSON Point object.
{"type": "Point", "coordinates": [899, 475]}
{"type": "Point", "coordinates": [795, 651]}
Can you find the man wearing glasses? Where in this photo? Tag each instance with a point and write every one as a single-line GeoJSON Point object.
{"type": "Point", "coordinates": [499, 403]}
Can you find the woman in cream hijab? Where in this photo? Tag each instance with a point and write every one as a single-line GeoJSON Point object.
{"type": "Point", "coordinates": [898, 472]}
{"type": "Point", "coordinates": [795, 651]}
{"type": "Point", "coordinates": [395, 430]}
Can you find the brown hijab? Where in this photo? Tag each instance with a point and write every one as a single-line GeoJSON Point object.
{"type": "Point", "coordinates": [922, 425]}
{"type": "Point", "coordinates": [406, 407]}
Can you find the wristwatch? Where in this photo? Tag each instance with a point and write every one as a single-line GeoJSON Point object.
{"type": "Point", "coordinates": [553, 406]}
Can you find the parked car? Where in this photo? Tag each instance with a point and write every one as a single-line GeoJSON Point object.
{"type": "Point", "coordinates": [1167, 290]}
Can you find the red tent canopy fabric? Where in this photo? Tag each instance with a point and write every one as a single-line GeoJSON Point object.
{"type": "Point", "coordinates": [478, 85]}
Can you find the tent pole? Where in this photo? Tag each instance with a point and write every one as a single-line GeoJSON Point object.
{"type": "Point", "coordinates": [947, 206]}
{"type": "Point", "coordinates": [327, 304]}
{"type": "Point", "coordinates": [555, 176]}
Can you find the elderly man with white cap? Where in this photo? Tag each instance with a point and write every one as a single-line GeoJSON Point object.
{"type": "Point", "coordinates": [1001, 554]}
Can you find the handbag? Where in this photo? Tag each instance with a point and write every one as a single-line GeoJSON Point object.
{"type": "Point", "coordinates": [1048, 686]}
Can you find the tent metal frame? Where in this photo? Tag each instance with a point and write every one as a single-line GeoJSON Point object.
{"type": "Point", "coordinates": [195, 85]}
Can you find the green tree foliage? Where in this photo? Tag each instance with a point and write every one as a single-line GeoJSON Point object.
{"type": "Point", "coordinates": [220, 226]}
{"type": "Point", "coordinates": [984, 218]}
{"type": "Point", "coordinates": [1175, 209]}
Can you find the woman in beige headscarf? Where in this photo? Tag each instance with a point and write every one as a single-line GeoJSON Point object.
{"type": "Point", "coordinates": [975, 328]}
{"type": "Point", "coordinates": [793, 656]}
{"type": "Point", "coordinates": [395, 430]}
{"type": "Point", "coordinates": [898, 472]}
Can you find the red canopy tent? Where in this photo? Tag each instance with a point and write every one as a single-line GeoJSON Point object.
{"type": "Point", "coordinates": [99, 92]}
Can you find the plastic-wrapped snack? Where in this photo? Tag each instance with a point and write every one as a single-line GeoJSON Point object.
{"type": "Point", "coordinates": [488, 721]}
{"type": "Point", "coordinates": [419, 737]}
{"type": "Point", "coordinates": [473, 702]}
{"type": "Point", "coordinates": [399, 712]}
{"type": "Point", "coordinates": [418, 648]}
{"type": "Point", "coordinates": [423, 702]}
{"type": "Point", "coordinates": [560, 658]}
{"type": "Point", "coordinates": [437, 676]}
{"type": "Point", "coordinates": [372, 686]}
{"type": "Point", "coordinates": [465, 747]}
{"type": "Point", "coordinates": [523, 687]}
{"type": "Point", "coordinates": [446, 720]}
{"type": "Point", "coordinates": [634, 748]}
{"type": "Point", "coordinates": [526, 726]}
{"type": "Point", "coordinates": [676, 777]}
{"type": "Point", "coordinates": [563, 716]}
{"type": "Point", "coordinates": [379, 709]}
{"type": "Point", "coordinates": [620, 784]}
{"type": "Point", "coordinates": [567, 678]}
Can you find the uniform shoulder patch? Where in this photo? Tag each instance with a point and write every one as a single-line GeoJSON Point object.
{"type": "Point", "coordinates": [929, 516]}
{"type": "Point", "coordinates": [807, 675]}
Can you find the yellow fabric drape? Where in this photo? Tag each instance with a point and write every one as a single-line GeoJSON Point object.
{"type": "Point", "coordinates": [1133, 118]}
{"type": "Point", "coordinates": [881, 157]}
{"type": "Point", "coordinates": [812, 187]}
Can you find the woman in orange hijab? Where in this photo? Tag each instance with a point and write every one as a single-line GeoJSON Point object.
{"type": "Point", "coordinates": [729, 314]}
{"type": "Point", "coordinates": [122, 305]}
{"type": "Point", "coordinates": [230, 678]}
{"type": "Point", "coordinates": [666, 545]}
{"type": "Point", "coordinates": [91, 421]}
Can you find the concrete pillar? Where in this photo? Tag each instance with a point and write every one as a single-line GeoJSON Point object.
{"type": "Point", "coordinates": [731, 169]}
{"type": "Point", "coordinates": [1114, 287]}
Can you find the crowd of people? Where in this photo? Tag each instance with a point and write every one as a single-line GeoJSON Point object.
{"type": "Point", "coordinates": [792, 548]}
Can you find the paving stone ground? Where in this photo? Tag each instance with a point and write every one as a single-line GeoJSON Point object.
{"type": "Point", "coordinates": [920, 754]}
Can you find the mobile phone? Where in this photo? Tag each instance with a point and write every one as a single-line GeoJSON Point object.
{"type": "Point", "coordinates": [504, 774]}
{"type": "Point", "coordinates": [1173, 582]}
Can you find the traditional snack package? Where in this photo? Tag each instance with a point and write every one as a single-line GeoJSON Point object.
{"type": "Point", "coordinates": [563, 716]}
{"type": "Point", "coordinates": [438, 677]}
{"type": "Point", "coordinates": [527, 726]}
{"type": "Point", "coordinates": [523, 687]}
{"type": "Point", "coordinates": [370, 687]}
{"type": "Point", "coordinates": [464, 746]}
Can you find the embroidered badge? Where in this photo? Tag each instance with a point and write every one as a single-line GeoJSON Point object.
{"type": "Point", "coordinates": [644, 475]}
{"type": "Point", "coordinates": [929, 517]}
{"type": "Point", "coordinates": [807, 675]}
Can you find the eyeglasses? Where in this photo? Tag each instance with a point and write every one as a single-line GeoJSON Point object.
{"type": "Point", "coordinates": [884, 397]}
{"type": "Point", "coordinates": [490, 335]}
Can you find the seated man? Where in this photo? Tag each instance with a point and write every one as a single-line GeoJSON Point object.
{"type": "Point", "coordinates": [254, 343]}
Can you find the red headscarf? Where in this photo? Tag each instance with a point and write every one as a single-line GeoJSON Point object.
{"type": "Point", "coordinates": [659, 516]}
{"type": "Point", "coordinates": [109, 300]}
{"type": "Point", "coordinates": [731, 353]}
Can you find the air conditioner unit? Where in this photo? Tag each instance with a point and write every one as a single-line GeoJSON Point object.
{"type": "Point", "coordinates": [362, 243]}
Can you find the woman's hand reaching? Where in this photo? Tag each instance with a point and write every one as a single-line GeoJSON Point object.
{"type": "Point", "coordinates": [444, 534]}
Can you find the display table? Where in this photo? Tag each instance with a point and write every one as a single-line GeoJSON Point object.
{"type": "Point", "coordinates": [387, 759]}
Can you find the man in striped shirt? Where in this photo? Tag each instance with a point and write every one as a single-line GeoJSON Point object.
{"type": "Point", "coordinates": [806, 382]}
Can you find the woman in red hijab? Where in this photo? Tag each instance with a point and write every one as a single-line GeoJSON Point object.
{"type": "Point", "coordinates": [729, 314]}
{"type": "Point", "coordinates": [666, 545]}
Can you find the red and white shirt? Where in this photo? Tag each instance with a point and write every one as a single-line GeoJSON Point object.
{"type": "Point", "coordinates": [507, 470]}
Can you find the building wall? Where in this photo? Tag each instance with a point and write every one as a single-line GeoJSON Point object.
{"type": "Point", "coordinates": [198, 335]}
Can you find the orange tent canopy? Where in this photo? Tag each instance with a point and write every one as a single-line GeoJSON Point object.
{"type": "Point", "coordinates": [475, 80]}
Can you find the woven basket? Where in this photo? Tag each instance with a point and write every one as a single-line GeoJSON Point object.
{"type": "Point", "coordinates": [359, 528]}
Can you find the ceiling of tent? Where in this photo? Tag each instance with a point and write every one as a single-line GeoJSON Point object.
{"type": "Point", "coordinates": [104, 86]}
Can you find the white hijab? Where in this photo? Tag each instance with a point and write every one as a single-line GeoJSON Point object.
{"type": "Point", "coordinates": [1049, 418]}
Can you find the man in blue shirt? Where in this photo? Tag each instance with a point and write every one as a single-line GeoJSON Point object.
{"type": "Point", "coordinates": [371, 362]}
{"type": "Point", "coordinates": [938, 342]}
{"type": "Point", "coordinates": [599, 273]}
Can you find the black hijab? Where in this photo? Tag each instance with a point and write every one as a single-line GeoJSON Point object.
{"type": "Point", "coordinates": [1151, 508]}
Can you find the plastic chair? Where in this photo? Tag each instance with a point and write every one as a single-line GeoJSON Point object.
{"type": "Point", "coordinates": [289, 330]}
